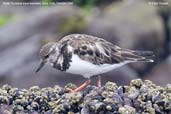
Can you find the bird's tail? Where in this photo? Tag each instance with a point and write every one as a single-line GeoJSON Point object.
{"type": "Point", "coordinates": [138, 56]}
{"type": "Point", "coordinates": [144, 53]}
{"type": "Point", "coordinates": [145, 56]}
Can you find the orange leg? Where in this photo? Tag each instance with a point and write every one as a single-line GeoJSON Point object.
{"type": "Point", "coordinates": [81, 87]}
{"type": "Point", "coordinates": [99, 82]}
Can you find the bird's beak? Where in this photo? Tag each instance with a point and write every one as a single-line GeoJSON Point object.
{"type": "Point", "coordinates": [40, 66]}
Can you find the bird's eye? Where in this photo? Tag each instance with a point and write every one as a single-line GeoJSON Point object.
{"type": "Point", "coordinates": [46, 56]}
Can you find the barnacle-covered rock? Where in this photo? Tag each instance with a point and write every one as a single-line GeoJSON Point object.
{"type": "Point", "coordinates": [4, 100]}
{"type": "Point", "coordinates": [17, 108]}
{"type": "Point", "coordinates": [150, 110]}
{"type": "Point", "coordinates": [115, 99]}
{"type": "Point", "coordinates": [108, 94]}
{"type": "Point", "coordinates": [57, 89]}
{"type": "Point", "coordinates": [133, 92]}
{"type": "Point", "coordinates": [23, 102]}
{"type": "Point", "coordinates": [71, 86]}
{"type": "Point", "coordinates": [149, 91]}
{"type": "Point", "coordinates": [168, 88]}
{"type": "Point", "coordinates": [127, 110]}
{"type": "Point", "coordinates": [6, 87]}
{"type": "Point", "coordinates": [111, 86]}
{"type": "Point", "coordinates": [109, 107]}
{"type": "Point", "coordinates": [73, 97]}
{"type": "Point", "coordinates": [149, 83]}
{"type": "Point", "coordinates": [95, 106]}
{"type": "Point", "coordinates": [58, 109]}
{"type": "Point", "coordinates": [140, 97]}
{"type": "Point", "coordinates": [34, 105]}
{"type": "Point", "coordinates": [34, 88]}
{"type": "Point", "coordinates": [136, 83]}
{"type": "Point", "coordinates": [3, 92]}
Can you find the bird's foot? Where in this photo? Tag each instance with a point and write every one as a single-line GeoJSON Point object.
{"type": "Point", "coordinates": [81, 87]}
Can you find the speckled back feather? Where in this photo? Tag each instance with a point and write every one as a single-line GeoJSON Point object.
{"type": "Point", "coordinates": [98, 51]}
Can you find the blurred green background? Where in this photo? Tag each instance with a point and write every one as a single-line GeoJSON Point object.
{"type": "Point", "coordinates": [133, 24]}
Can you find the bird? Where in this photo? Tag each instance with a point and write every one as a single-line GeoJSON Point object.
{"type": "Point", "coordinates": [87, 56]}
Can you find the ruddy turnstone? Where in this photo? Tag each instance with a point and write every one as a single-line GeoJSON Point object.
{"type": "Point", "coordinates": [88, 56]}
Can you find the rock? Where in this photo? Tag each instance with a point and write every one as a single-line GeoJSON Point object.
{"type": "Point", "coordinates": [40, 21]}
{"type": "Point", "coordinates": [110, 86]}
{"type": "Point", "coordinates": [105, 100]}
{"type": "Point", "coordinates": [126, 110]}
{"type": "Point", "coordinates": [136, 83]}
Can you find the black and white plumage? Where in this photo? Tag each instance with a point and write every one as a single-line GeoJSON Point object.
{"type": "Point", "coordinates": [88, 55]}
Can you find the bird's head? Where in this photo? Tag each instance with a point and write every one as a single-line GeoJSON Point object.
{"type": "Point", "coordinates": [48, 54]}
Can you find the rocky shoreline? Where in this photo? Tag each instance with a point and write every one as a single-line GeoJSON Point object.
{"type": "Point", "coordinates": [140, 97]}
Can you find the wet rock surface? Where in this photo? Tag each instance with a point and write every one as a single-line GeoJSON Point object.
{"type": "Point", "coordinates": [140, 97]}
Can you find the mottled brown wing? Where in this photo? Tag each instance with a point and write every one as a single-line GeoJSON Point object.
{"type": "Point", "coordinates": [99, 51]}
{"type": "Point", "coordinates": [93, 49]}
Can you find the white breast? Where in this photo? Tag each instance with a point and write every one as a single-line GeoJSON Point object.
{"type": "Point", "coordinates": [87, 69]}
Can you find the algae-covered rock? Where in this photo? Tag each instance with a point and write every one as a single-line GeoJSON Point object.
{"type": "Point", "coordinates": [140, 97]}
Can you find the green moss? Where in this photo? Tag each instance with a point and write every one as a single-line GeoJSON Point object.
{"type": "Point", "coordinates": [4, 19]}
